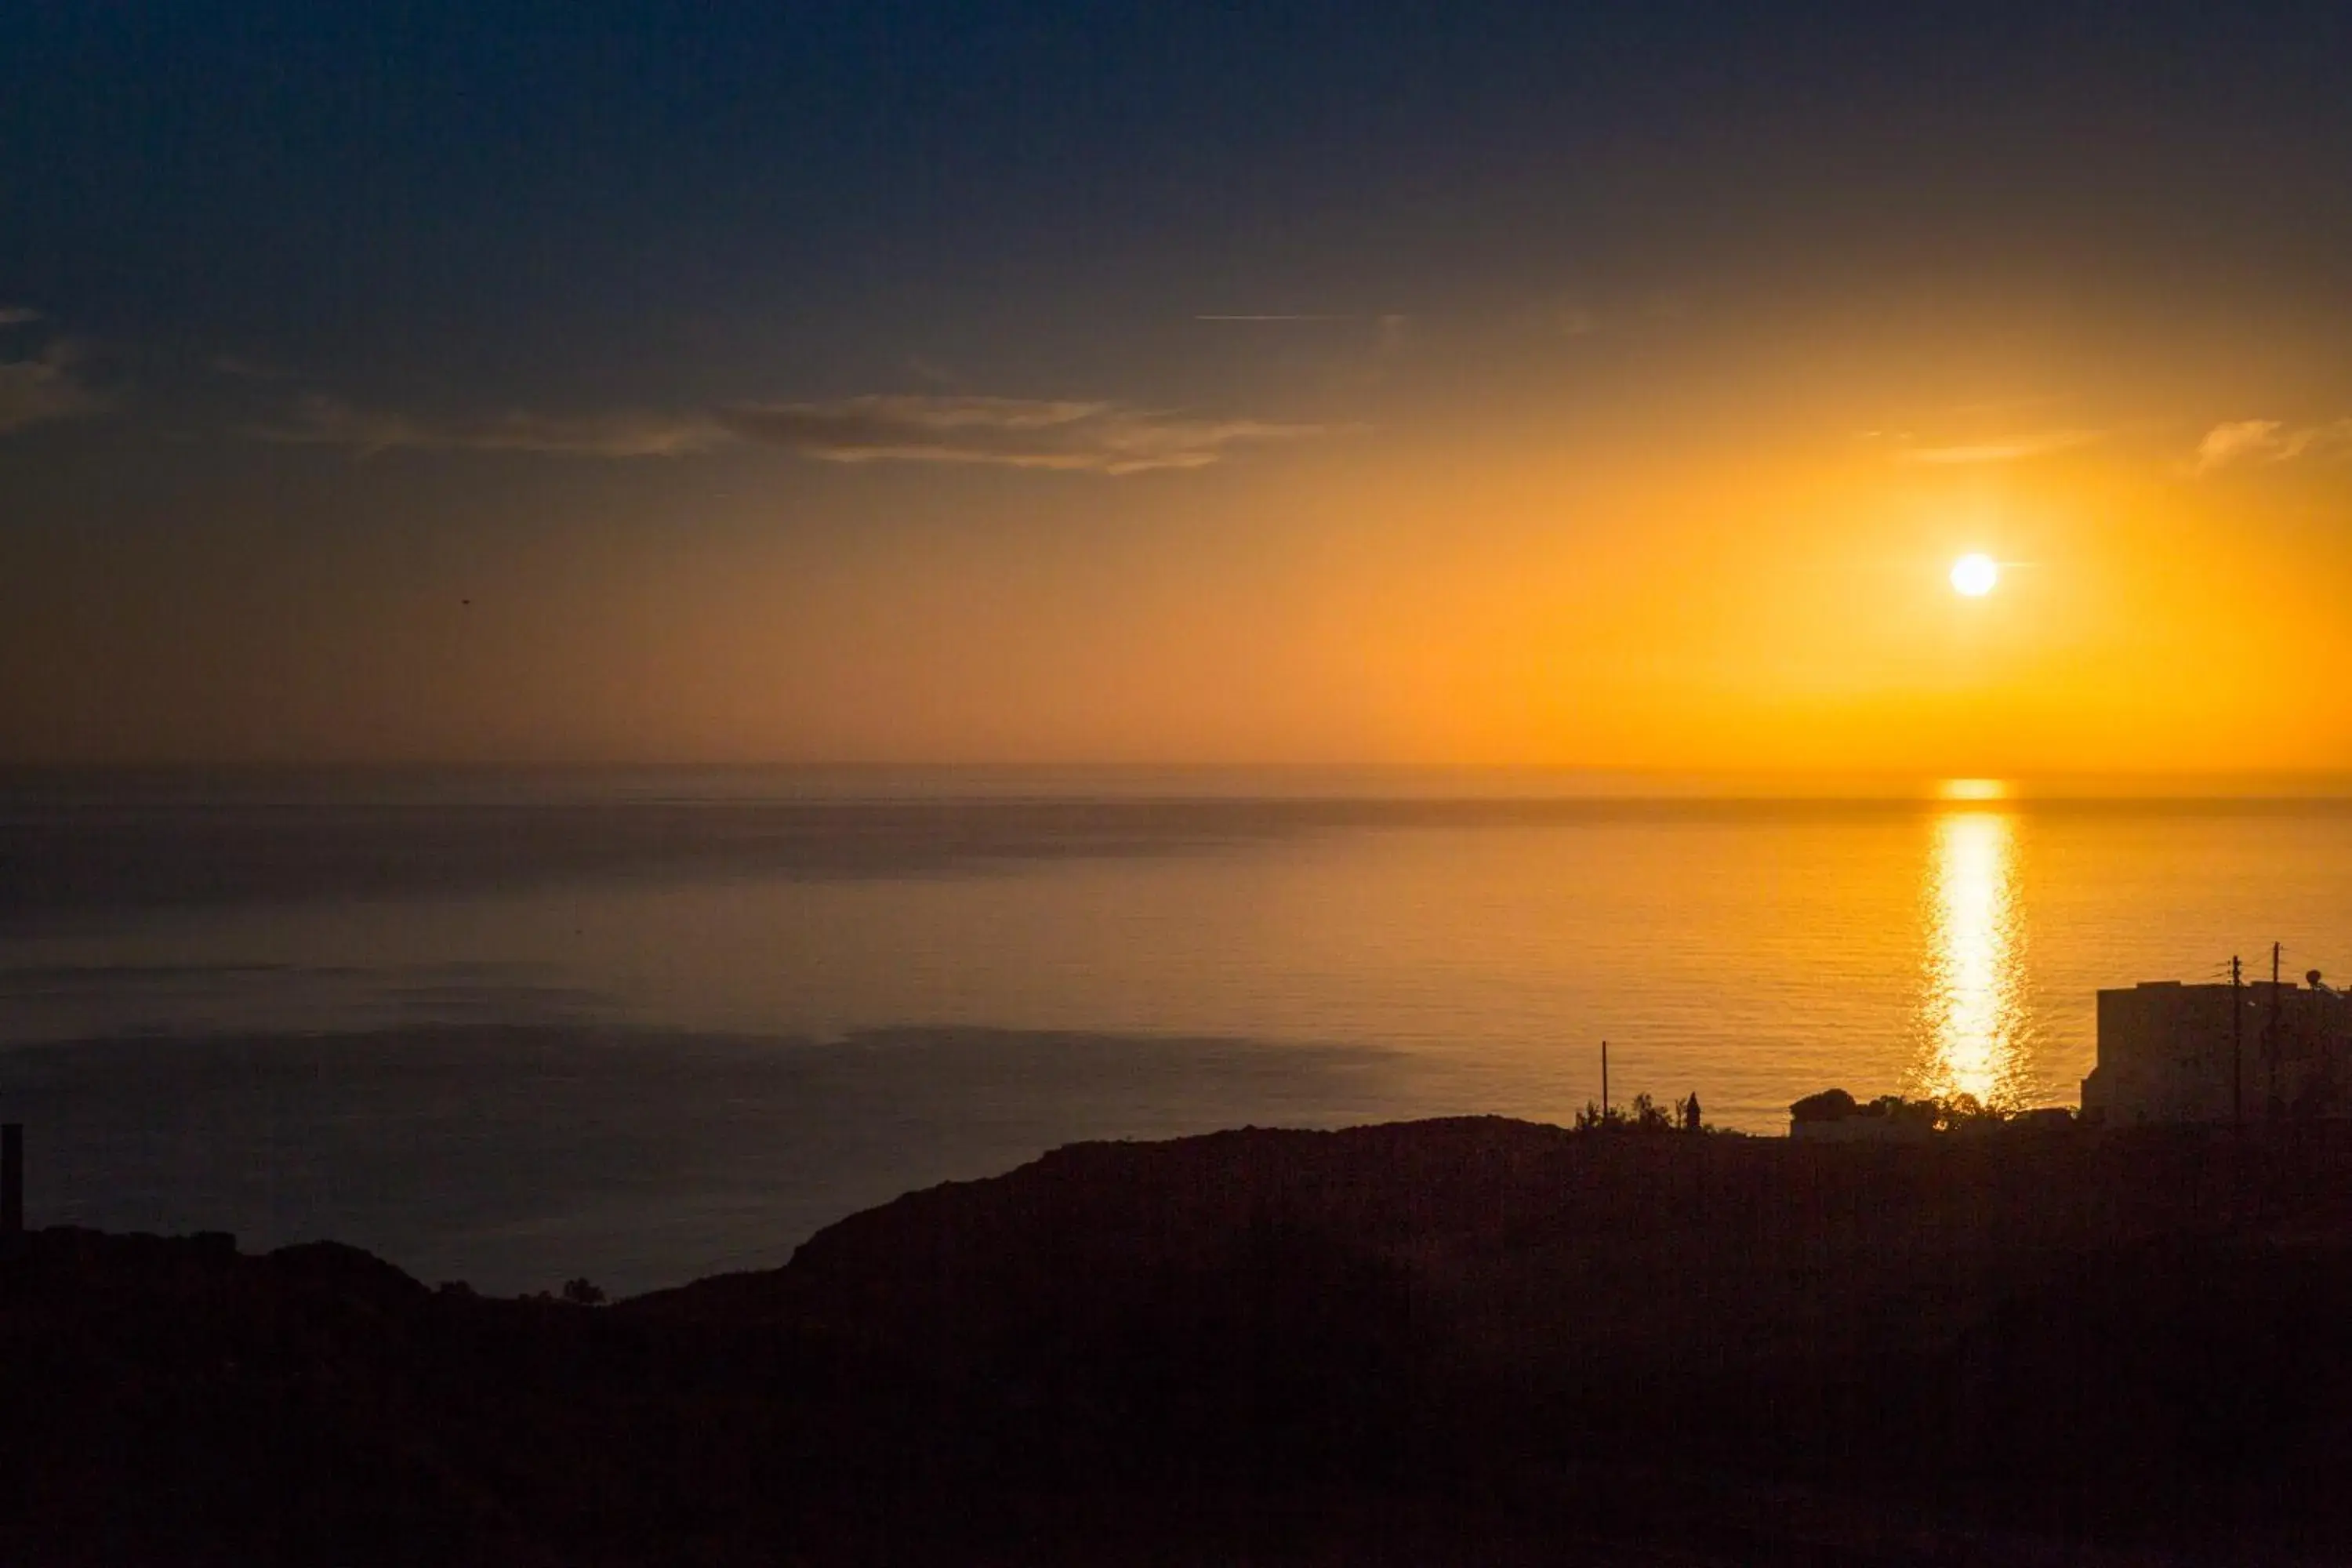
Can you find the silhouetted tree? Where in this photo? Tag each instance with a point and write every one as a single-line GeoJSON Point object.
{"type": "Point", "coordinates": [581, 1293]}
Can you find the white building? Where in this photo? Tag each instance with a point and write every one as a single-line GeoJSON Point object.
{"type": "Point", "coordinates": [2171, 1052]}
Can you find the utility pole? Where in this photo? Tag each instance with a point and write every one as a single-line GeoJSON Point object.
{"type": "Point", "coordinates": [1604, 1081]}
{"type": "Point", "coordinates": [2276, 1023]}
{"type": "Point", "coordinates": [2237, 1047]}
{"type": "Point", "coordinates": [12, 1178]}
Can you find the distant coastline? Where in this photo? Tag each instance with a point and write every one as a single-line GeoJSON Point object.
{"type": "Point", "coordinates": [851, 783]}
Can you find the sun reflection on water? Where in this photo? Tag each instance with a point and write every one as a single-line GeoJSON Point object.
{"type": "Point", "coordinates": [1973, 1001]}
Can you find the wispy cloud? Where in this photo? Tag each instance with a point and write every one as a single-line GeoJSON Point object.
{"type": "Point", "coordinates": [44, 388]}
{"type": "Point", "coordinates": [2268, 441]}
{"type": "Point", "coordinates": [1010, 431]}
{"type": "Point", "coordinates": [2002, 449]}
{"type": "Point", "coordinates": [320, 421]}
{"type": "Point", "coordinates": [18, 315]}
{"type": "Point", "coordinates": [1076, 437]}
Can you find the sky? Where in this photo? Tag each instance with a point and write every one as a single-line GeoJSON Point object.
{"type": "Point", "coordinates": [1595, 387]}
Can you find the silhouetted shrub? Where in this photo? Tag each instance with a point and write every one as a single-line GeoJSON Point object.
{"type": "Point", "coordinates": [1644, 1115]}
{"type": "Point", "coordinates": [1942, 1114]}
{"type": "Point", "coordinates": [1961, 1111]}
{"type": "Point", "coordinates": [1829, 1105]}
{"type": "Point", "coordinates": [581, 1293]}
{"type": "Point", "coordinates": [1894, 1108]}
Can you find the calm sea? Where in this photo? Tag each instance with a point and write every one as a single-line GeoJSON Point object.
{"type": "Point", "coordinates": [644, 1025]}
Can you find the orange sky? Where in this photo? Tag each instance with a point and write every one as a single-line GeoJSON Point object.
{"type": "Point", "coordinates": [1664, 541]}
{"type": "Point", "coordinates": [1479, 385]}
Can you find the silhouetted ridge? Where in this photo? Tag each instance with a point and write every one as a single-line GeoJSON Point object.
{"type": "Point", "coordinates": [1466, 1339]}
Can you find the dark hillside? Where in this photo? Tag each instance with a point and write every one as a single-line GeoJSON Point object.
{"type": "Point", "coordinates": [1470, 1340]}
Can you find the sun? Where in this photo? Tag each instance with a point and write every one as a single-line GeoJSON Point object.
{"type": "Point", "coordinates": [1975, 576]}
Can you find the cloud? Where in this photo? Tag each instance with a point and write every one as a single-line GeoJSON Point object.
{"type": "Point", "coordinates": [45, 388]}
{"type": "Point", "coordinates": [2227, 443]}
{"type": "Point", "coordinates": [2005, 449]}
{"type": "Point", "coordinates": [19, 315]}
{"type": "Point", "coordinates": [320, 421]}
{"type": "Point", "coordinates": [2267, 441]}
{"type": "Point", "coordinates": [1075, 436]}
{"type": "Point", "coordinates": [1010, 431]}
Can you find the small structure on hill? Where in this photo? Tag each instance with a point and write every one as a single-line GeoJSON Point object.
{"type": "Point", "coordinates": [2221, 1053]}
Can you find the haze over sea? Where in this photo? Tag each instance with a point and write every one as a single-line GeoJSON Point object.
{"type": "Point", "coordinates": [644, 1025]}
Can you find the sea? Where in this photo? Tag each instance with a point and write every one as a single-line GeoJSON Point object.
{"type": "Point", "coordinates": [644, 1025]}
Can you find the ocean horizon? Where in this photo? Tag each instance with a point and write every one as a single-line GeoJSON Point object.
{"type": "Point", "coordinates": [516, 1025]}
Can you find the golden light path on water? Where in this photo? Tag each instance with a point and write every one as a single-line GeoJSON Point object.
{"type": "Point", "coordinates": [1972, 1002]}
